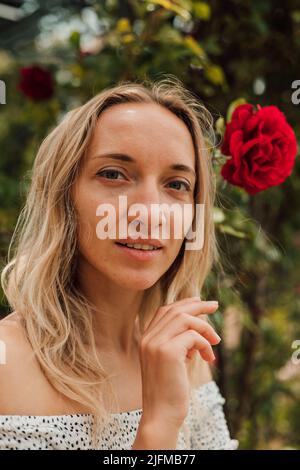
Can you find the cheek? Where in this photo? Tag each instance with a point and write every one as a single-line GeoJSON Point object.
{"type": "Point", "coordinates": [85, 233]}
{"type": "Point", "coordinates": [89, 244]}
{"type": "Point", "coordinates": [96, 252]}
{"type": "Point", "coordinates": [85, 205]}
{"type": "Point", "coordinates": [178, 223]}
{"type": "Point", "coordinates": [173, 251]}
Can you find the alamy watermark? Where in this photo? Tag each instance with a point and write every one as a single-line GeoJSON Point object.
{"type": "Point", "coordinates": [296, 354]}
{"type": "Point", "coordinates": [2, 92]}
{"type": "Point", "coordinates": [168, 221]}
{"type": "Point", "coordinates": [296, 93]}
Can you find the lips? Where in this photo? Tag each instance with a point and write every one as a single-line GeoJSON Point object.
{"type": "Point", "coordinates": [139, 255]}
{"type": "Point", "coordinates": [139, 243]}
{"type": "Point", "coordinates": [141, 247]}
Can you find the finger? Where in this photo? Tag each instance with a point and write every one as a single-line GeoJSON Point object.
{"type": "Point", "coordinates": [184, 322]}
{"type": "Point", "coordinates": [192, 302]}
{"type": "Point", "coordinates": [194, 308]}
{"type": "Point", "coordinates": [190, 339]}
{"type": "Point", "coordinates": [164, 308]}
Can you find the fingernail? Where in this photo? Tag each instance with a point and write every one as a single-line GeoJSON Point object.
{"type": "Point", "coordinates": [219, 338]}
{"type": "Point", "coordinates": [214, 303]}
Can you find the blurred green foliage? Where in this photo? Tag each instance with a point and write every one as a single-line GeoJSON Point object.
{"type": "Point", "coordinates": [223, 50]}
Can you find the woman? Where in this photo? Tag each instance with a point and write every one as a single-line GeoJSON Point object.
{"type": "Point", "coordinates": [108, 345]}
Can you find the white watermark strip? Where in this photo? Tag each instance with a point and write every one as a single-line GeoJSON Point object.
{"type": "Point", "coordinates": [163, 217]}
{"type": "Point", "coordinates": [2, 92]}
{"type": "Point", "coordinates": [296, 354]}
{"type": "Point", "coordinates": [296, 93]}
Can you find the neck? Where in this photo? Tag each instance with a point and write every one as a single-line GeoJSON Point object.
{"type": "Point", "coordinates": [115, 313]}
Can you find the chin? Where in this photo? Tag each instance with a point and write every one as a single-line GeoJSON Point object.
{"type": "Point", "coordinates": [137, 281]}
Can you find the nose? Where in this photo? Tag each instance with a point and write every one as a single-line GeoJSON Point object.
{"type": "Point", "coordinates": [144, 206]}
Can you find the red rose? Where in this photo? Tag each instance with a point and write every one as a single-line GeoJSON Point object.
{"type": "Point", "coordinates": [262, 145]}
{"type": "Point", "coordinates": [36, 83]}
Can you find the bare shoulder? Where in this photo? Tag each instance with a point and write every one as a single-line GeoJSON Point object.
{"type": "Point", "coordinates": [13, 340]}
{"type": "Point", "coordinates": [21, 378]}
{"type": "Point", "coordinates": [17, 366]}
{"type": "Point", "coordinates": [25, 390]}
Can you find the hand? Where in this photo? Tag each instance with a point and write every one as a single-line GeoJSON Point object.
{"type": "Point", "coordinates": [165, 353]}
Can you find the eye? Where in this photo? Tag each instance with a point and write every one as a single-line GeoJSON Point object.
{"type": "Point", "coordinates": [178, 183]}
{"type": "Point", "coordinates": [110, 174]}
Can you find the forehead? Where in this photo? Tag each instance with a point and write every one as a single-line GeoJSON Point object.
{"type": "Point", "coordinates": [147, 126]}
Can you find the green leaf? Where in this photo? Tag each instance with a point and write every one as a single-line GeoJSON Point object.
{"type": "Point", "coordinates": [296, 16]}
{"type": "Point", "coordinates": [202, 10]}
{"type": "Point", "coordinates": [194, 46]}
{"type": "Point", "coordinates": [266, 246]}
{"type": "Point", "coordinates": [75, 39]}
{"type": "Point", "coordinates": [215, 74]}
{"type": "Point", "coordinates": [172, 6]}
{"type": "Point", "coordinates": [218, 215]}
{"type": "Point", "coordinates": [123, 25]}
{"type": "Point", "coordinates": [234, 104]}
{"type": "Point", "coordinates": [231, 231]}
{"type": "Point", "coordinates": [220, 125]}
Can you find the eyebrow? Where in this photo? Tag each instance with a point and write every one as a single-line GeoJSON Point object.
{"type": "Point", "coordinates": [127, 158]}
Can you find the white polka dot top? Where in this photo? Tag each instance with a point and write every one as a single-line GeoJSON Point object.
{"type": "Point", "coordinates": [204, 427]}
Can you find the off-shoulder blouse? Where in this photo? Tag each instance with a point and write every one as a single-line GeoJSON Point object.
{"type": "Point", "coordinates": [205, 427]}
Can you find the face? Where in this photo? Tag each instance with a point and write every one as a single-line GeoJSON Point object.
{"type": "Point", "coordinates": [144, 152]}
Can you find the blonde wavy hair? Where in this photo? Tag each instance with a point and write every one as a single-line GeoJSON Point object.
{"type": "Point", "coordinates": [39, 279]}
